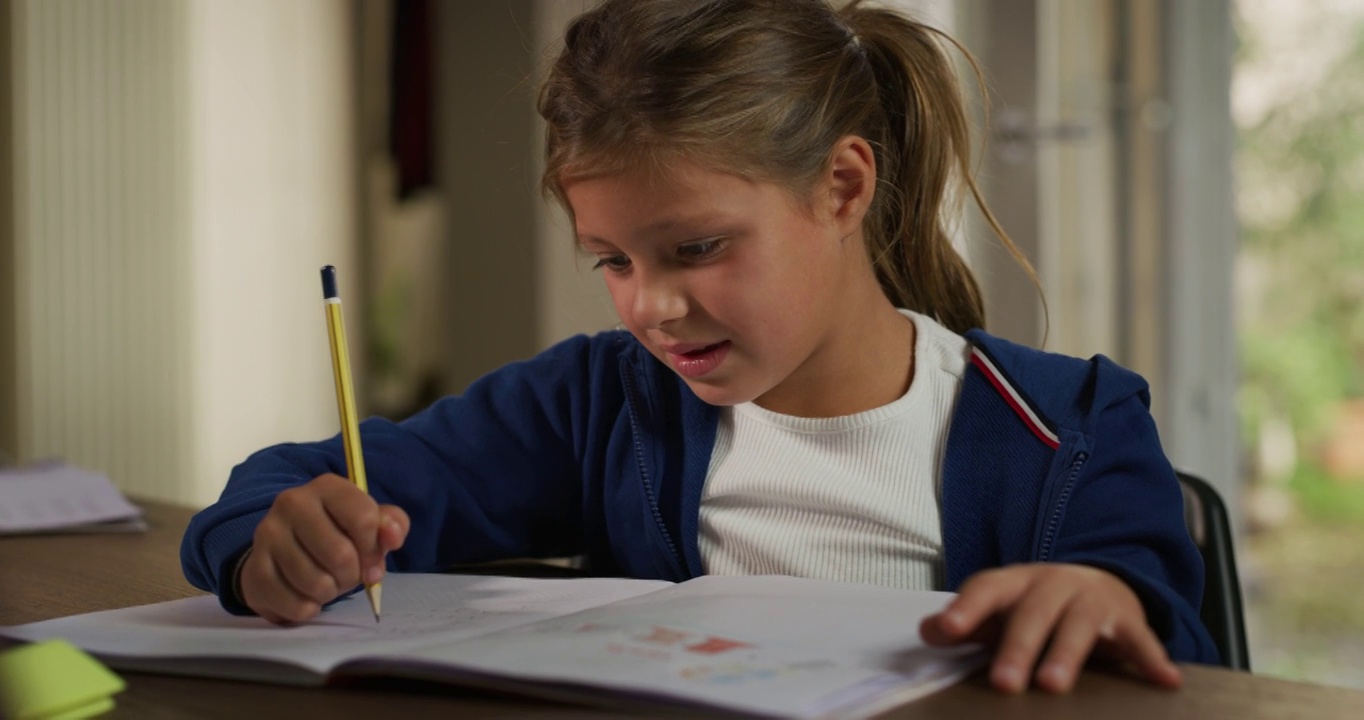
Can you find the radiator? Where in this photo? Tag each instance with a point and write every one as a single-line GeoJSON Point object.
{"type": "Point", "coordinates": [101, 259]}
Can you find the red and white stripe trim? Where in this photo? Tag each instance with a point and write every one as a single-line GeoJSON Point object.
{"type": "Point", "coordinates": [1015, 401]}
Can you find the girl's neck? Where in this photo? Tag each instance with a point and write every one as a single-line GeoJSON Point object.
{"type": "Point", "coordinates": [866, 361]}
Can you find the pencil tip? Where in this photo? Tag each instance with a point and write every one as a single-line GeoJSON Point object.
{"type": "Point", "coordinates": [375, 593]}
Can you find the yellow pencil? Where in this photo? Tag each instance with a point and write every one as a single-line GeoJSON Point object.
{"type": "Point", "coordinates": [345, 402]}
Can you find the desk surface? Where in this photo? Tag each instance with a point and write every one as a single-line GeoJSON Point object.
{"type": "Point", "coordinates": [51, 576]}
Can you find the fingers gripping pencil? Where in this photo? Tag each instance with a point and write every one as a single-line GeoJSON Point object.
{"type": "Point", "coordinates": [345, 403]}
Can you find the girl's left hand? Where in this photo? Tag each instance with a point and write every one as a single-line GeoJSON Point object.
{"type": "Point", "coordinates": [1075, 608]}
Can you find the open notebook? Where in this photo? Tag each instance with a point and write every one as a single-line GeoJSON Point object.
{"type": "Point", "coordinates": [763, 645]}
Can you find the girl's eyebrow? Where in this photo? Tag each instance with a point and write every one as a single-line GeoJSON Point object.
{"type": "Point", "coordinates": [663, 225]}
{"type": "Point", "coordinates": [670, 222]}
{"type": "Point", "coordinates": [590, 242]}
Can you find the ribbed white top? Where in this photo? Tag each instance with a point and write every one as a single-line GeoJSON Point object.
{"type": "Point", "coordinates": [851, 498]}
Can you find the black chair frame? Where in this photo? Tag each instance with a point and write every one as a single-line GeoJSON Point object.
{"type": "Point", "coordinates": [1210, 527]}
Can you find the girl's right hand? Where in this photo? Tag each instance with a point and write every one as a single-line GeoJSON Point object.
{"type": "Point", "coordinates": [317, 542]}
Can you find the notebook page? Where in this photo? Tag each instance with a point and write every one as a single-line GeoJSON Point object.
{"type": "Point", "coordinates": [45, 498]}
{"type": "Point", "coordinates": [419, 609]}
{"type": "Point", "coordinates": [769, 645]}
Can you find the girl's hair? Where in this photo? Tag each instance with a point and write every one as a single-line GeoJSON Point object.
{"type": "Point", "coordinates": [764, 89]}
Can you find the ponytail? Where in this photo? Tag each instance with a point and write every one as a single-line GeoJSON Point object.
{"type": "Point", "coordinates": [923, 146]}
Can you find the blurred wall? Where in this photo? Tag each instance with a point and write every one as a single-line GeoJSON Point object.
{"type": "Point", "coordinates": [272, 199]}
{"type": "Point", "coordinates": [484, 110]}
{"type": "Point", "coordinates": [182, 170]}
{"type": "Point", "coordinates": [9, 380]}
{"type": "Point", "coordinates": [572, 298]}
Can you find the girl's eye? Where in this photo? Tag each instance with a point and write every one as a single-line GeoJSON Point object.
{"type": "Point", "coordinates": [700, 250]}
{"type": "Point", "coordinates": [614, 263]}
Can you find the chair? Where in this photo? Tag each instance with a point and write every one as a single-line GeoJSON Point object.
{"type": "Point", "coordinates": [1222, 613]}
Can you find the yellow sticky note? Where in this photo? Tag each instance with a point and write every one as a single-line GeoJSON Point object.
{"type": "Point", "coordinates": [54, 680]}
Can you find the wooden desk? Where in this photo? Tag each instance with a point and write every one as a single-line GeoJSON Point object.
{"type": "Point", "coordinates": [45, 577]}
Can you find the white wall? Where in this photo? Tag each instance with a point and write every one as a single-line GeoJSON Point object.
{"type": "Point", "coordinates": [272, 200]}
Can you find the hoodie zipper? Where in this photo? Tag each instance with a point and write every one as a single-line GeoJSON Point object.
{"type": "Point", "coordinates": [1054, 523]}
{"type": "Point", "coordinates": [632, 398]}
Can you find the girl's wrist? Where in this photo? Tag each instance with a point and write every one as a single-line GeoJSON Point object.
{"type": "Point", "coordinates": [234, 585]}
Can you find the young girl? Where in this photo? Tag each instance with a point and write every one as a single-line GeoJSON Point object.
{"type": "Point", "coordinates": [803, 388]}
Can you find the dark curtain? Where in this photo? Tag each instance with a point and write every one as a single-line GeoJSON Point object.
{"type": "Point", "coordinates": [411, 132]}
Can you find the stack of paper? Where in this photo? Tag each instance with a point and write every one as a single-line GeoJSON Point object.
{"type": "Point", "coordinates": [58, 498]}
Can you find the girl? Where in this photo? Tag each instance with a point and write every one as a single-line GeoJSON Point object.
{"type": "Point", "coordinates": [803, 387]}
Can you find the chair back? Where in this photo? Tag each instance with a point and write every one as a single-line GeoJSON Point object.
{"type": "Point", "coordinates": [1206, 517]}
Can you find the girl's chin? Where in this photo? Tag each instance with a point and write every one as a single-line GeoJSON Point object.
{"type": "Point", "coordinates": [719, 395]}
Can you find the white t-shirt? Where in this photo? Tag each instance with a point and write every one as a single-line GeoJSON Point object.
{"type": "Point", "coordinates": [852, 498]}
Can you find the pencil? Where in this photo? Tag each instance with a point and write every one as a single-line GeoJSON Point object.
{"type": "Point", "coordinates": [345, 403]}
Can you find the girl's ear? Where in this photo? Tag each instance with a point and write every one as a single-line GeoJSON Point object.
{"type": "Point", "coordinates": [851, 182]}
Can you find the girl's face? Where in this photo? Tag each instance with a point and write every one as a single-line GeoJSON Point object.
{"type": "Point", "coordinates": [735, 285]}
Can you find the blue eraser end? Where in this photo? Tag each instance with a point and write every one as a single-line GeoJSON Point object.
{"type": "Point", "coordinates": [329, 282]}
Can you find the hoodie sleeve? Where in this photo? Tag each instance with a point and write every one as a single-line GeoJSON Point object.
{"type": "Point", "coordinates": [490, 474]}
{"type": "Point", "coordinates": [1125, 515]}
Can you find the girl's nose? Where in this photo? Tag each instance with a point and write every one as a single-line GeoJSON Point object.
{"type": "Point", "coordinates": [658, 300]}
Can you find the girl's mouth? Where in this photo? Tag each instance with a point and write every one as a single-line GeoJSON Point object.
{"type": "Point", "coordinates": [700, 361]}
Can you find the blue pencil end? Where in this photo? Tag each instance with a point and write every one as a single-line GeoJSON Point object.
{"type": "Point", "coordinates": [329, 282]}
